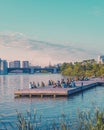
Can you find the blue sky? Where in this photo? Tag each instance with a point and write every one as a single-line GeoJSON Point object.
{"type": "Point", "coordinates": [78, 23]}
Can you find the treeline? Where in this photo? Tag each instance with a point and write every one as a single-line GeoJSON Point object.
{"type": "Point", "coordinates": [86, 68]}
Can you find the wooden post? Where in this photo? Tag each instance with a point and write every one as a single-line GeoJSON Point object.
{"type": "Point", "coordinates": [30, 95]}
{"type": "Point", "coordinates": [41, 95]}
{"type": "Point", "coordinates": [54, 95]}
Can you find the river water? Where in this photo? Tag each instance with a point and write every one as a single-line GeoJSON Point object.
{"type": "Point", "coordinates": [47, 107]}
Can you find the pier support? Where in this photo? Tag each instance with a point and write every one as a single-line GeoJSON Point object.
{"type": "Point", "coordinates": [41, 95]}
{"type": "Point", "coordinates": [30, 95]}
{"type": "Point", "coordinates": [54, 95]}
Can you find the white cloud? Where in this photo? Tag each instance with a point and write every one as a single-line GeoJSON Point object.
{"type": "Point", "coordinates": [18, 46]}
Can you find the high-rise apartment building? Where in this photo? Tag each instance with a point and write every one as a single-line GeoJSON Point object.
{"type": "Point", "coordinates": [3, 66]}
{"type": "Point", "coordinates": [15, 64]}
{"type": "Point", "coordinates": [25, 64]}
{"type": "Point", "coordinates": [11, 64]}
{"type": "Point", "coordinates": [0, 65]}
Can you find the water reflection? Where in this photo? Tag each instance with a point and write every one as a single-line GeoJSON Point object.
{"type": "Point", "coordinates": [48, 107]}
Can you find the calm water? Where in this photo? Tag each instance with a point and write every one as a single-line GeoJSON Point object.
{"type": "Point", "coordinates": [47, 107]}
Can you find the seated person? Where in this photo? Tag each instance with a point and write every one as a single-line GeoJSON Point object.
{"type": "Point", "coordinates": [30, 85]}
{"type": "Point", "coordinates": [34, 85]}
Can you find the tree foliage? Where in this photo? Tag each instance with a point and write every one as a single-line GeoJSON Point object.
{"type": "Point", "coordinates": [86, 68]}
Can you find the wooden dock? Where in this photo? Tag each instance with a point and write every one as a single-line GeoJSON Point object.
{"type": "Point", "coordinates": [56, 92]}
{"type": "Point", "coordinates": [42, 92]}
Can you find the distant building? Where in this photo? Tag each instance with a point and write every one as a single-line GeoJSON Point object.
{"type": "Point", "coordinates": [11, 64]}
{"type": "Point", "coordinates": [15, 64]}
{"type": "Point", "coordinates": [0, 65]}
{"type": "Point", "coordinates": [101, 59]}
{"type": "Point", "coordinates": [90, 61]}
{"type": "Point", "coordinates": [25, 64]}
{"type": "Point", "coordinates": [3, 67]}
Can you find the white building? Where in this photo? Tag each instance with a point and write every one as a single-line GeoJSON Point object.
{"type": "Point", "coordinates": [101, 59]}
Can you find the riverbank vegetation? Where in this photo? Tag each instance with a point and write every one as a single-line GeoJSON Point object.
{"type": "Point", "coordinates": [86, 120]}
{"type": "Point", "coordinates": [86, 68]}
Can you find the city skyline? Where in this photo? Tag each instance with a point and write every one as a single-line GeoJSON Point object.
{"type": "Point", "coordinates": [51, 31]}
{"type": "Point", "coordinates": [25, 67]}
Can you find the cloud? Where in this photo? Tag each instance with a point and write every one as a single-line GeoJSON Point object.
{"type": "Point", "coordinates": [17, 46]}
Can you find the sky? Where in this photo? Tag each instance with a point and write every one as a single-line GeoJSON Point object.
{"type": "Point", "coordinates": [44, 31]}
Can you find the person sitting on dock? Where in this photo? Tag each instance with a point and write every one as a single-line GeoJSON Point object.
{"type": "Point", "coordinates": [58, 83]}
{"type": "Point", "coordinates": [49, 83]}
{"type": "Point", "coordinates": [42, 84]}
{"type": "Point", "coordinates": [52, 82]}
{"type": "Point", "coordinates": [73, 84]}
{"type": "Point", "coordinates": [54, 85]}
{"type": "Point", "coordinates": [30, 85]}
{"type": "Point", "coordinates": [62, 80]}
{"type": "Point", "coordinates": [68, 83]}
{"type": "Point", "coordinates": [63, 84]}
{"type": "Point", "coordinates": [34, 85]}
{"type": "Point", "coordinates": [38, 85]}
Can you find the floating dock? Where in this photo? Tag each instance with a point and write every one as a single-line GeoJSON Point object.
{"type": "Point", "coordinates": [42, 92]}
{"type": "Point", "coordinates": [56, 92]}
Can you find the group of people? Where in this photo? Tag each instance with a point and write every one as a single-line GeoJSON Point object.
{"type": "Point", "coordinates": [61, 84]}
{"type": "Point", "coordinates": [33, 85]}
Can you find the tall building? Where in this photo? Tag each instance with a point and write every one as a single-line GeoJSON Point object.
{"type": "Point", "coordinates": [101, 59]}
{"type": "Point", "coordinates": [25, 64]}
{"type": "Point", "coordinates": [11, 64]}
{"type": "Point", "coordinates": [15, 64]}
{"type": "Point", "coordinates": [3, 67]}
{"type": "Point", "coordinates": [0, 65]}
